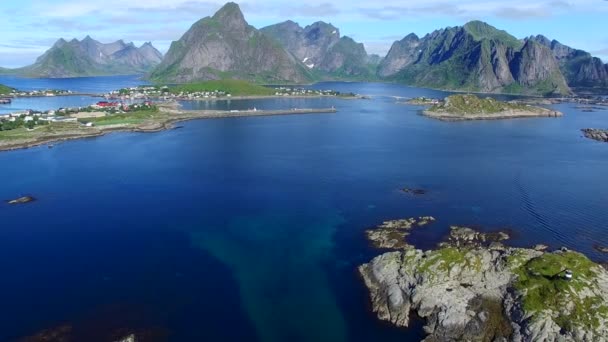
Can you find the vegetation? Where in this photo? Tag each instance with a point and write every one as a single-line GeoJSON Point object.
{"type": "Point", "coordinates": [24, 133]}
{"type": "Point", "coordinates": [544, 288]}
{"type": "Point", "coordinates": [21, 121]}
{"type": "Point", "coordinates": [482, 31]}
{"type": "Point", "coordinates": [233, 87]}
{"type": "Point", "coordinates": [4, 90]}
{"type": "Point", "coordinates": [135, 115]}
{"type": "Point", "coordinates": [471, 104]}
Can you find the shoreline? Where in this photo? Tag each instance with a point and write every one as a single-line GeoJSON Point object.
{"type": "Point", "coordinates": [173, 116]}
{"type": "Point", "coordinates": [510, 114]}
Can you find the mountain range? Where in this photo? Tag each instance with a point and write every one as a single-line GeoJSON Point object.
{"type": "Point", "coordinates": [89, 57]}
{"type": "Point", "coordinates": [474, 57]}
{"type": "Point", "coordinates": [321, 49]}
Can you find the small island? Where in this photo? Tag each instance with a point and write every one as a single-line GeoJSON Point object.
{"type": "Point", "coordinates": [474, 288]}
{"type": "Point", "coordinates": [471, 107]}
{"type": "Point", "coordinates": [596, 134]}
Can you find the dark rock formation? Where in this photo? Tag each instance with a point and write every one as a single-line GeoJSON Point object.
{"type": "Point", "coordinates": [596, 134]}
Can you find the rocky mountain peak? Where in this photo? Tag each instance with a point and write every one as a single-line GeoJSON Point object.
{"type": "Point", "coordinates": [230, 16]}
{"type": "Point", "coordinates": [412, 37]}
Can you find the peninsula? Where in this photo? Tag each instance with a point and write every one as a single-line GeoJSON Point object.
{"type": "Point", "coordinates": [471, 107]}
{"type": "Point", "coordinates": [474, 288]}
{"type": "Point", "coordinates": [28, 131]}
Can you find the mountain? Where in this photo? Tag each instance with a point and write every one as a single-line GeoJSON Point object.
{"type": "Point", "coordinates": [580, 68]}
{"type": "Point", "coordinates": [226, 46]}
{"type": "Point", "coordinates": [320, 47]}
{"type": "Point", "coordinates": [92, 58]}
{"type": "Point", "coordinates": [474, 57]}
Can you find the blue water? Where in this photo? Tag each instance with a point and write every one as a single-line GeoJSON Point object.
{"type": "Point", "coordinates": [252, 228]}
{"type": "Point", "coordinates": [82, 85]}
{"type": "Point", "coordinates": [87, 85]}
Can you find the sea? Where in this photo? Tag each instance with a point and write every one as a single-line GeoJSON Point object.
{"type": "Point", "coordinates": [252, 228]}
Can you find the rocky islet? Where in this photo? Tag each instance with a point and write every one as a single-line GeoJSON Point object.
{"type": "Point", "coordinates": [473, 287]}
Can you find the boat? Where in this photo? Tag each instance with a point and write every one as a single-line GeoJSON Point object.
{"type": "Point", "coordinates": [5, 101]}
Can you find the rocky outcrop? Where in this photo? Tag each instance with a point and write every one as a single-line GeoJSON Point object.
{"type": "Point", "coordinates": [474, 57]}
{"type": "Point", "coordinates": [226, 46]}
{"type": "Point", "coordinates": [473, 288]}
{"type": "Point", "coordinates": [21, 200]}
{"type": "Point", "coordinates": [320, 48]}
{"type": "Point", "coordinates": [91, 58]}
{"type": "Point", "coordinates": [391, 234]}
{"type": "Point", "coordinates": [596, 134]}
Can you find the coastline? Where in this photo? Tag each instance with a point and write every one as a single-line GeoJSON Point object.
{"type": "Point", "coordinates": [171, 116]}
{"type": "Point", "coordinates": [508, 114]}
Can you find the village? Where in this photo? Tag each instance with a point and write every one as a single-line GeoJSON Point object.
{"type": "Point", "coordinates": [166, 93]}
{"type": "Point", "coordinates": [31, 118]}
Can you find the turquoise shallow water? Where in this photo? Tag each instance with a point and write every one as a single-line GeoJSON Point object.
{"type": "Point", "coordinates": [252, 228]}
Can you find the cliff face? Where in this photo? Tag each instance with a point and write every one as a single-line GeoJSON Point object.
{"type": "Point", "coordinates": [92, 58]}
{"type": "Point", "coordinates": [580, 69]}
{"type": "Point", "coordinates": [535, 67]}
{"type": "Point", "coordinates": [475, 57]}
{"type": "Point", "coordinates": [401, 54]}
{"type": "Point", "coordinates": [225, 46]}
{"type": "Point", "coordinates": [321, 49]}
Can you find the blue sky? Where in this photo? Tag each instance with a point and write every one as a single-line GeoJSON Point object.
{"type": "Point", "coordinates": [30, 27]}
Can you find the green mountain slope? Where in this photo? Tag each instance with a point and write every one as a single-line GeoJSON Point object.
{"type": "Point", "coordinates": [474, 57]}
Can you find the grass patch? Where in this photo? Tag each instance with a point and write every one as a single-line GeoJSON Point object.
{"type": "Point", "coordinates": [4, 90]}
{"type": "Point", "coordinates": [543, 288]}
{"type": "Point", "coordinates": [472, 105]}
{"type": "Point", "coordinates": [130, 118]}
{"type": "Point", "coordinates": [444, 259]}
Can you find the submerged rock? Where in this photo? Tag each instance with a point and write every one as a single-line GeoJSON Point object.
{"type": "Point", "coordinates": [22, 200]}
{"type": "Point", "coordinates": [61, 333]}
{"type": "Point", "coordinates": [601, 249]}
{"type": "Point", "coordinates": [414, 191]}
{"type": "Point", "coordinates": [129, 338]}
{"type": "Point", "coordinates": [473, 288]}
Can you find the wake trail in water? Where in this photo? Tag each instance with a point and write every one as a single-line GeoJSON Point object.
{"type": "Point", "coordinates": [530, 208]}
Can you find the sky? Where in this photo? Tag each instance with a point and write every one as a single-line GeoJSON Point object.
{"type": "Point", "coordinates": [30, 27]}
